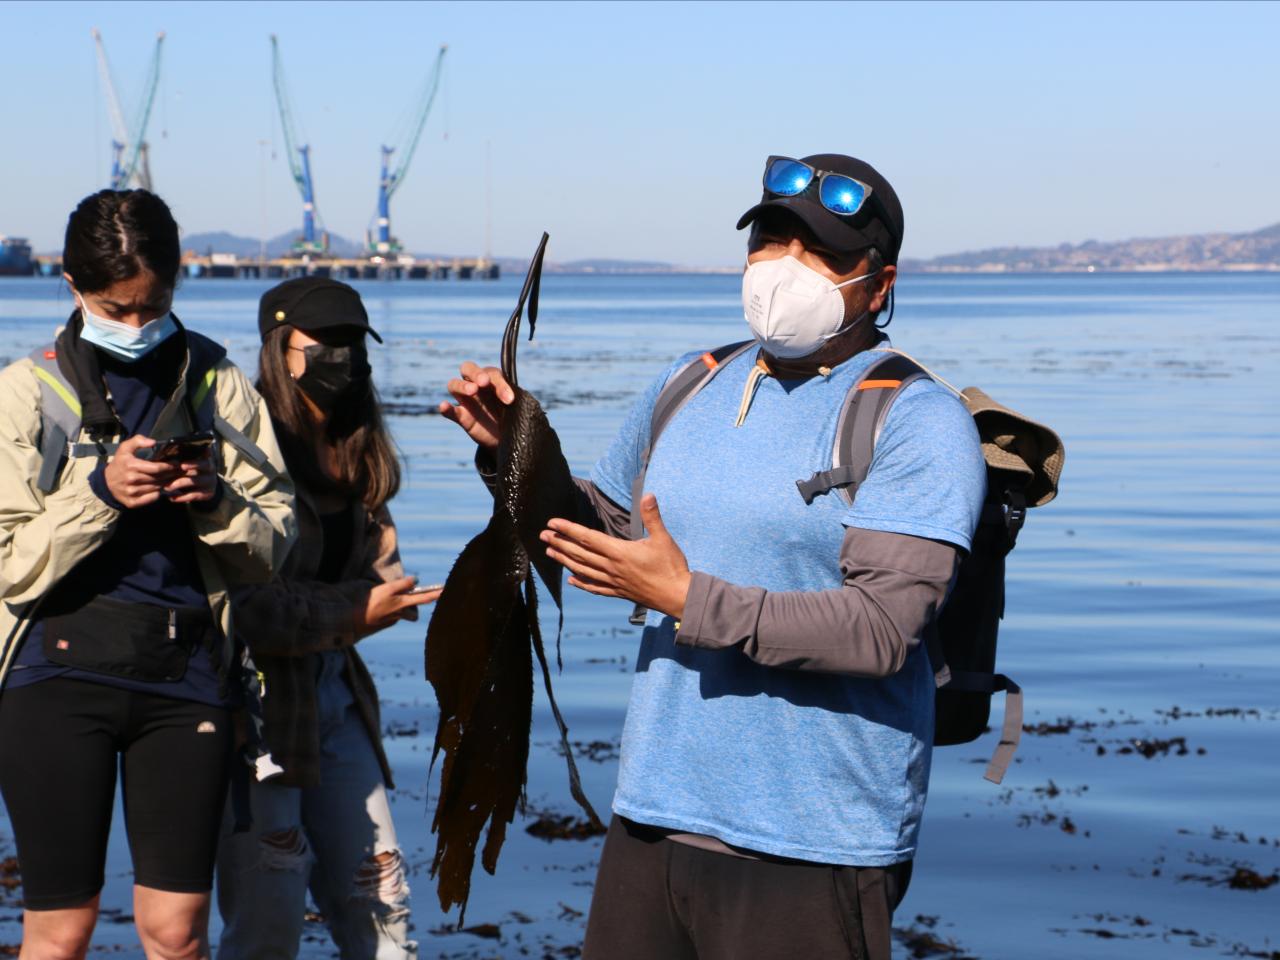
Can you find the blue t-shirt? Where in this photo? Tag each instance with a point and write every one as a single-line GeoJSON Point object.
{"type": "Point", "coordinates": [818, 767]}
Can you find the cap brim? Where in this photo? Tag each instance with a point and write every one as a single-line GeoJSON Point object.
{"type": "Point", "coordinates": [343, 322]}
{"type": "Point", "coordinates": [838, 237]}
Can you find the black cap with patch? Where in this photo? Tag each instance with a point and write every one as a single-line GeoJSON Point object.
{"type": "Point", "coordinates": [312, 303]}
{"type": "Point", "coordinates": [878, 224]}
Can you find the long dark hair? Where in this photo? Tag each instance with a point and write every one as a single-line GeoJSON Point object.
{"type": "Point", "coordinates": [367, 465]}
{"type": "Point", "coordinates": [114, 235]}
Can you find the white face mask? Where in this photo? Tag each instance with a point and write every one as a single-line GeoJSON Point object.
{"type": "Point", "coordinates": [793, 310]}
{"type": "Point", "coordinates": [121, 339]}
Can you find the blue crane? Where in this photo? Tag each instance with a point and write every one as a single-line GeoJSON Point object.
{"type": "Point", "coordinates": [389, 182]}
{"type": "Point", "coordinates": [130, 164]}
{"type": "Point", "coordinates": [299, 162]}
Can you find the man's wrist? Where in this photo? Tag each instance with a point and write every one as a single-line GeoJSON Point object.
{"type": "Point", "coordinates": [674, 602]}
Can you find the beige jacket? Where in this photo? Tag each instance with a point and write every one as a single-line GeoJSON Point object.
{"type": "Point", "coordinates": [42, 537]}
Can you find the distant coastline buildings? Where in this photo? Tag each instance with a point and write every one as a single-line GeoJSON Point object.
{"type": "Point", "coordinates": [1208, 252]}
{"type": "Point", "coordinates": [1257, 251]}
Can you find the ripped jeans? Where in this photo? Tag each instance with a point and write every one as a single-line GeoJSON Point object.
{"type": "Point", "coordinates": [336, 840]}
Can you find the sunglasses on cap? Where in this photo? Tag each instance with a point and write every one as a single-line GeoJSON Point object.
{"type": "Point", "coordinates": [841, 194]}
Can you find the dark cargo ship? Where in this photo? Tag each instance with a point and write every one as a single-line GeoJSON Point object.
{"type": "Point", "coordinates": [15, 257]}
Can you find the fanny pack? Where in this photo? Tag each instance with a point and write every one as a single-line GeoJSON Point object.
{"type": "Point", "coordinates": [137, 641]}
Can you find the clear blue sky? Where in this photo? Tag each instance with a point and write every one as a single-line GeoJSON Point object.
{"type": "Point", "coordinates": [639, 130]}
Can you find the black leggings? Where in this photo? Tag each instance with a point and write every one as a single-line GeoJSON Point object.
{"type": "Point", "coordinates": [59, 743]}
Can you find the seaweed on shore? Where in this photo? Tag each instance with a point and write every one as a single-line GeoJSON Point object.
{"type": "Point", "coordinates": [594, 751]}
{"type": "Point", "coordinates": [1143, 929]}
{"type": "Point", "coordinates": [921, 941]}
{"type": "Point", "coordinates": [10, 882]}
{"type": "Point", "coordinates": [1232, 836]}
{"type": "Point", "coordinates": [1154, 746]}
{"type": "Point", "coordinates": [396, 408]}
{"type": "Point", "coordinates": [1177, 713]}
{"type": "Point", "coordinates": [1238, 877]}
{"type": "Point", "coordinates": [562, 826]}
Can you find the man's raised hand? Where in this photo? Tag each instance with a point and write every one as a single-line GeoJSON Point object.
{"type": "Point", "coordinates": [479, 396]}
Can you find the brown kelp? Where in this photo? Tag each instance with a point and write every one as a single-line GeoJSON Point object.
{"type": "Point", "coordinates": [484, 634]}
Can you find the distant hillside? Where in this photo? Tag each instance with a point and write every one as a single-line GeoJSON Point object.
{"type": "Point", "coordinates": [1259, 250]}
{"type": "Point", "coordinates": [616, 266]}
{"type": "Point", "coordinates": [517, 265]}
{"type": "Point", "coordinates": [219, 241]}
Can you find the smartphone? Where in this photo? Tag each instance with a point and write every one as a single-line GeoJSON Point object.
{"type": "Point", "coordinates": [184, 449]}
{"type": "Point", "coordinates": [427, 588]}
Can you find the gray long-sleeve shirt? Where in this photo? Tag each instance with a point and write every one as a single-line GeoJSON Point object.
{"type": "Point", "coordinates": [894, 585]}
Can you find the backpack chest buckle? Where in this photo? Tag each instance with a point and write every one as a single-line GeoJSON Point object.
{"type": "Point", "coordinates": [823, 481]}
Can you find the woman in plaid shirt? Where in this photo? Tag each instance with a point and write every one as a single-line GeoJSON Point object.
{"type": "Point", "coordinates": [321, 820]}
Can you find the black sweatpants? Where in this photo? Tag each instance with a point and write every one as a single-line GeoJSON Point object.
{"type": "Point", "coordinates": [656, 898]}
{"type": "Point", "coordinates": [60, 742]}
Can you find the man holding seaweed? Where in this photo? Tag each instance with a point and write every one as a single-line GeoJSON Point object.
{"type": "Point", "coordinates": [776, 749]}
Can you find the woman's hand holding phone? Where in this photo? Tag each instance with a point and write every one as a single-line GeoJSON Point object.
{"type": "Point", "coordinates": [181, 468]}
{"type": "Point", "coordinates": [391, 602]}
{"type": "Point", "coordinates": [137, 481]}
{"type": "Point", "coordinates": [197, 480]}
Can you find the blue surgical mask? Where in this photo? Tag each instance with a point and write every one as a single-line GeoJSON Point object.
{"type": "Point", "coordinates": [121, 340]}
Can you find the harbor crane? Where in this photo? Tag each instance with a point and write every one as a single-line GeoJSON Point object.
{"type": "Point", "coordinates": [299, 163]}
{"type": "Point", "coordinates": [390, 181]}
{"type": "Point", "coordinates": [130, 162]}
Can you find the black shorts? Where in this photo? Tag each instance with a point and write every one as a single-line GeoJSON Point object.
{"type": "Point", "coordinates": [655, 897]}
{"type": "Point", "coordinates": [60, 741]}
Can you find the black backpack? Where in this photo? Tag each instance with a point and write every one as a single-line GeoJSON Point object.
{"type": "Point", "coordinates": [1024, 460]}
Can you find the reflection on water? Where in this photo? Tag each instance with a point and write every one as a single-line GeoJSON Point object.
{"type": "Point", "coordinates": [1139, 820]}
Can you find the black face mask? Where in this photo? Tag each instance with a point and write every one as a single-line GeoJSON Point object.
{"type": "Point", "coordinates": [334, 374]}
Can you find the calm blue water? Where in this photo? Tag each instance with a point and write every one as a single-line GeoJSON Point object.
{"type": "Point", "coordinates": [1142, 604]}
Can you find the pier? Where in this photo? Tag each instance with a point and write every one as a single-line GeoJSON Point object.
{"type": "Point", "coordinates": [230, 266]}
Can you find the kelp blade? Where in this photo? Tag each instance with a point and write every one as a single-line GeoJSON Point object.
{"type": "Point", "coordinates": [484, 632]}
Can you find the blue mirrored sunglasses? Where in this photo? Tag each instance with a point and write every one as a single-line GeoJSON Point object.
{"type": "Point", "coordinates": [840, 194]}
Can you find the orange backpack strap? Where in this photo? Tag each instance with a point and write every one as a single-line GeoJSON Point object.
{"type": "Point", "coordinates": [858, 428]}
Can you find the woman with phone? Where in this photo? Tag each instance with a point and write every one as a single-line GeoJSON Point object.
{"type": "Point", "coordinates": [323, 822]}
{"type": "Point", "coordinates": [118, 548]}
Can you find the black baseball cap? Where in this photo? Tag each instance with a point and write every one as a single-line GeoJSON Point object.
{"type": "Point", "coordinates": [312, 303]}
{"type": "Point", "coordinates": [878, 224]}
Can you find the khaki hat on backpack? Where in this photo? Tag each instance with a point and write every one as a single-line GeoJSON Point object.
{"type": "Point", "coordinates": [1018, 445]}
